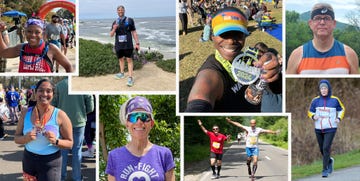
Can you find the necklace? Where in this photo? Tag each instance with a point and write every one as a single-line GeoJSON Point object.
{"type": "Point", "coordinates": [40, 121]}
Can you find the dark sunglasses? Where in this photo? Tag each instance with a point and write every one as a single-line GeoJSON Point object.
{"type": "Point", "coordinates": [215, 128]}
{"type": "Point", "coordinates": [143, 116]}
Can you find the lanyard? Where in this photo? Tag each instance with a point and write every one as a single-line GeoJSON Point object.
{"type": "Point", "coordinates": [225, 63]}
{"type": "Point", "coordinates": [40, 123]}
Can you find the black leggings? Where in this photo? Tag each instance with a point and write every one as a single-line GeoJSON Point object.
{"type": "Point", "coordinates": [325, 140]}
{"type": "Point", "coordinates": [184, 21]}
{"type": "Point", "coordinates": [43, 167]}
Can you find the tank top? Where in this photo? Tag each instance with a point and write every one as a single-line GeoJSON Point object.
{"type": "Point", "coordinates": [233, 99]}
{"type": "Point", "coordinates": [331, 62]}
{"type": "Point", "coordinates": [35, 59]}
{"type": "Point", "coordinates": [41, 144]}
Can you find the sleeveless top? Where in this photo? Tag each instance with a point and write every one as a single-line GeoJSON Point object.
{"type": "Point", "coordinates": [233, 98]}
{"type": "Point", "coordinates": [331, 62]}
{"type": "Point", "coordinates": [35, 59]}
{"type": "Point", "coordinates": [41, 144]}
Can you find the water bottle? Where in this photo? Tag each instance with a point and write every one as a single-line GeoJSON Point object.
{"type": "Point", "coordinates": [254, 92]}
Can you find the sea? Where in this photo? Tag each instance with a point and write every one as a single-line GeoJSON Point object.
{"type": "Point", "coordinates": [155, 33]}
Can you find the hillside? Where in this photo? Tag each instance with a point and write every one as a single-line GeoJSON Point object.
{"type": "Point", "coordinates": [339, 25]}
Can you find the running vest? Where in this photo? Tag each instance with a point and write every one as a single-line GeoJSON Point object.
{"type": "Point", "coordinates": [123, 36]}
{"type": "Point", "coordinates": [35, 59]}
{"type": "Point", "coordinates": [233, 99]}
{"type": "Point", "coordinates": [41, 144]}
{"type": "Point", "coordinates": [331, 62]}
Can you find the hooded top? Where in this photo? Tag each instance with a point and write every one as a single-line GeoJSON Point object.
{"type": "Point", "coordinates": [328, 108]}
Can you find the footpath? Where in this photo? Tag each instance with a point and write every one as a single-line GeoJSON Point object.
{"type": "Point", "coordinates": [11, 155]}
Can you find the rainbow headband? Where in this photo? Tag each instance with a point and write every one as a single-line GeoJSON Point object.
{"type": "Point", "coordinates": [229, 19]}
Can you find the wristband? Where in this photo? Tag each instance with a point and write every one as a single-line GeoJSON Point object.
{"type": "Point", "coordinates": [137, 43]}
{"type": "Point", "coordinates": [57, 142]}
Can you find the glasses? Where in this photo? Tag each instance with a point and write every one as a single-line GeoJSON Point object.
{"type": "Point", "coordinates": [215, 129]}
{"type": "Point", "coordinates": [134, 116]}
{"type": "Point", "coordinates": [318, 19]}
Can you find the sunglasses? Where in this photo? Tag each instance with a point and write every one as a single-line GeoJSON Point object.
{"type": "Point", "coordinates": [134, 116]}
{"type": "Point", "coordinates": [215, 128]}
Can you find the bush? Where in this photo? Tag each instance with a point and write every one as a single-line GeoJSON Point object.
{"type": "Point", "coordinates": [167, 65]}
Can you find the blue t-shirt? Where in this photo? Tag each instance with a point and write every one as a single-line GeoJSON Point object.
{"type": "Point", "coordinates": [12, 98]}
{"type": "Point", "coordinates": [152, 166]}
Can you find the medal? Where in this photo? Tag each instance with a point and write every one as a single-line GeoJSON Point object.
{"type": "Point", "coordinates": [40, 123]}
{"type": "Point", "coordinates": [242, 67]}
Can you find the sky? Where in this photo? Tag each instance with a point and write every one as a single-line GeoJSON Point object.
{"type": "Point", "coordinates": [104, 9]}
{"type": "Point", "coordinates": [341, 7]}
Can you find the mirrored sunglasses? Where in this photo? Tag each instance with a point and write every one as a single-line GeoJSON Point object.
{"type": "Point", "coordinates": [134, 116]}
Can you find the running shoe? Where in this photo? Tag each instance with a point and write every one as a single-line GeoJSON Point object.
{"type": "Point", "coordinates": [5, 135]}
{"type": "Point", "coordinates": [331, 165]}
{"type": "Point", "coordinates": [130, 82]}
{"type": "Point", "coordinates": [218, 176]}
{"type": "Point", "coordinates": [119, 76]}
{"type": "Point", "coordinates": [213, 176]}
{"type": "Point", "coordinates": [325, 173]}
{"type": "Point", "coordinates": [89, 153]}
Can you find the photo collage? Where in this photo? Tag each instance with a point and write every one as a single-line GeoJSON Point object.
{"type": "Point", "coordinates": [179, 90]}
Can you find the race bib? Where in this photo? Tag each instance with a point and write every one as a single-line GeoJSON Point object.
{"type": "Point", "coordinates": [122, 38]}
{"type": "Point", "coordinates": [216, 145]}
{"type": "Point", "coordinates": [252, 140]}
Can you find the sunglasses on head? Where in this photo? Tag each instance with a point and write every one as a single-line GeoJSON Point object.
{"type": "Point", "coordinates": [134, 116]}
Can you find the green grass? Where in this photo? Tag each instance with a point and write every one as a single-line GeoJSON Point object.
{"type": "Point", "coordinates": [194, 153]}
{"type": "Point", "coordinates": [167, 65]}
{"type": "Point", "coordinates": [341, 161]}
{"type": "Point", "coordinates": [281, 144]}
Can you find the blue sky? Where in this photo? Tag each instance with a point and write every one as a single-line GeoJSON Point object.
{"type": "Point", "coordinates": [96, 9]}
{"type": "Point", "coordinates": [341, 7]}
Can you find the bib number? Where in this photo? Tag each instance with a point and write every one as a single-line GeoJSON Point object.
{"type": "Point", "coordinates": [122, 38]}
{"type": "Point", "coordinates": [216, 145]}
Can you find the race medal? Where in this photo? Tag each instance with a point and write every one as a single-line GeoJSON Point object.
{"type": "Point", "coordinates": [243, 70]}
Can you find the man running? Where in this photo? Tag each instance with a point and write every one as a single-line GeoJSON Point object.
{"type": "Point", "coordinates": [252, 139]}
{"type": "Point", "coordinates": [216, 148]}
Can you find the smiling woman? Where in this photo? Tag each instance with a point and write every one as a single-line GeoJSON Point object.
{"type": "Point", "coordinates": [36, 55]}
{"type": "Point", "coordinates": [139, 158]}
{"type": "Point", "coordinates": [44, 130]}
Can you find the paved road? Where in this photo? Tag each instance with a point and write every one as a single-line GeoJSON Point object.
{"type": "Point", "coordinates": [272, 165]}
{"type": "Point", "coordinates": [11, 155]}
{"type": "Point", "coordinates": [348, 174]}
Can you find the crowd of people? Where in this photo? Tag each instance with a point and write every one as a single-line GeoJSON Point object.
{"type": "Point", "coordinates": [253, 10]}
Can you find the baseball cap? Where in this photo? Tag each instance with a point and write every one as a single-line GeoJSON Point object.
{"type": "Point", "coordinates": [229, 19]}
{"type": "Point", "coordinates": [55, 16]}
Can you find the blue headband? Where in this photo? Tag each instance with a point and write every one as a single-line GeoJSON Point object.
{"type": "Point", "coordinates": [323, 11]}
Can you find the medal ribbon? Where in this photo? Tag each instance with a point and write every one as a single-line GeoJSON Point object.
{"type": "Point", "coordinates": [225, 63]}
{"type": "Point", "coordinates": [40, 123]}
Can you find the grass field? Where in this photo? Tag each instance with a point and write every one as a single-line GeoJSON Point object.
{"type": "Point", "coordinates": [193, 53]}
{"type": "Point", "coordinates": [341, 161]}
